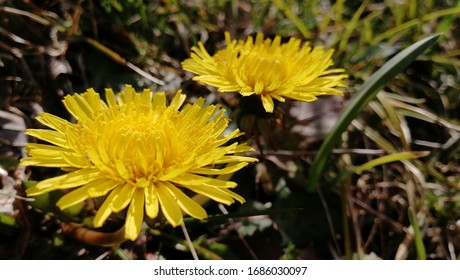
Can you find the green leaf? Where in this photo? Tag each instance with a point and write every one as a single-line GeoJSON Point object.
{"type": "Point", "coordinates": [360, 100]}
{"type": "Point", "coordinates": [388, 158]}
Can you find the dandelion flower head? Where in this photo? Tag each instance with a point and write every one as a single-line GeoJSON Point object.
{"type": "Point", "coordinates": [268, 68]}
{"type": "Point", "coordinates": [138, 153]}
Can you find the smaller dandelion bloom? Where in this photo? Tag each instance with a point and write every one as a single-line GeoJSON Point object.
{"type": "Point", "coordinates": [138, 153]}
{"type": "Point", "coordinates": [268, 68]}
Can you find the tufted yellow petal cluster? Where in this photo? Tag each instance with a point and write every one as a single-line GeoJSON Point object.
{"type": "Point", "coordinates": [138, 153]}
{"type": "Point", "coordinates": [268, 68]}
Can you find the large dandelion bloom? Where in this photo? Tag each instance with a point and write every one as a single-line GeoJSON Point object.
{"type": "Point", "coordinates": [139, 153]}
{"type": "Point", "coordinates": [267, 68]}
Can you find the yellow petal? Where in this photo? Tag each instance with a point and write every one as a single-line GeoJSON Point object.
{"type": "Point", "coordinates": [95, 158]}
{"type": "Point", "coordinates": [216, 81]}
{"type": "Point", "coordinates": [234, 195]}
{"type": "Point", "coordinates": [159, 150]}
{"type": "Point", "coordinates": [177, 101]}
{"type": "Point", "coordinates": [302, 96]}
{"type": "Point", "coordinates": [267, 102]}
{"type": "Point", "coordinates": [247, 92]}
{"type": "Point", "coordinates": [216, 194]}
{"type": "Point", "coordinates": [94, 101]}
{"type": "Point", "coordinates": [230, 159]}
{"type": "Point", "coordinates": [259, 87]}
{"type": "Point", "coordinates": [77, 107]}
{"type": "Point", "coordinates": [242, 148]}
{"type": "Point", "coordinates": [101, 187]}
{"type": "Point", "coordinates": [135, 215]}
{"type": "Point", "coordinates": [228, 169]}
{"type": "Point", "coordinates": [151, 202]}
{"type": "Point", "coordinates": [170, 174]}
{"type": "Point", "coordinates": [44, 162]}
{"type": "Point", "coordinates": [70, 180]}
{"type": "Point", "coordinates": [224, 139]}
{"type": "Point", "coordinates": [127, 95]}
{"type": "Point", "coordinates": [53, 137]}
{"type": "Point", "coordinates": [123, 198]}
{"type": "Point", "coordinates": [169, 205]}
{"type": "Point", "coordinates": [211, 156]}
{"type": "Point", "coordinates": [44, 150]}
{"type": "Point", "coordinates": [53, 122]}
{"type": "Point", "coordinates": [159, 102]}
{"type": "Point", "coordinates": [216, 183]}
{"type": "Point", "coordinates": [146, 97]}
{"type": "Point", "coordinates": [53, 156]}
{"type": "Point", "coordinates": [106, 208]}
{"type": "Point", "coordinates": [75, 160]}
{"type": "Point", "coordinates": [198, 180]}
{"type": "Point", "coordinates": [229, 88]}
{"type": "Point", "coordinates": [186, 203]}
{"type": "Point", "coordinates": [110, 97]}
{"type": "Point", "coordinates": [190, 179]}
{"type": "Point", "coordinates": [102, 152]}
{"type": "Point", "coordinates": [121, 169]}
{"type": "Point", "coordinates": [72, 198]}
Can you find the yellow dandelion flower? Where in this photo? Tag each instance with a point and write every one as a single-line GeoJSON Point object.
{"type": "Point", "coordinates": [267, 68]}
{"type": "Point", "coordinates": [138, 153]}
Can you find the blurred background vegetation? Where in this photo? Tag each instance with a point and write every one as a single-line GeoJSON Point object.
{"type": "Point", "coordinates": [408, 209]}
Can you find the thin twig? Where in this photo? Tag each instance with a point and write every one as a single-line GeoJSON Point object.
{"type": "Point", "coordinates": [394, 225]}
{"type": "Point", "coordinates": [189, 242]}
{"type": "Point", "coordinates": [101, 257]}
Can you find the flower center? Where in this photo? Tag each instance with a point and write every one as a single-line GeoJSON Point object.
{"type": "Point", "coordinates": [264, 72]}
{"type": "Point", "coordinates": [135, 144]}
{"type": "Point", "coordinates": [129, 143]}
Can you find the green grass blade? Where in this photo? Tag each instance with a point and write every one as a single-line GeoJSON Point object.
{"type": "Point", "coordinates": [293, 17]}
{"type": "Point", "coordinates": [366, 93]}
{"type": "Point", "coordinates": [338, 181]}
{"type": "Point", "coordinates": [418, 238]}
{"type": "Point", "coordinates": [387, 159]}
{"type": "Point", "coordinates": [417, 21]}
{"type": "Point", "coordinates": [351, 26]}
